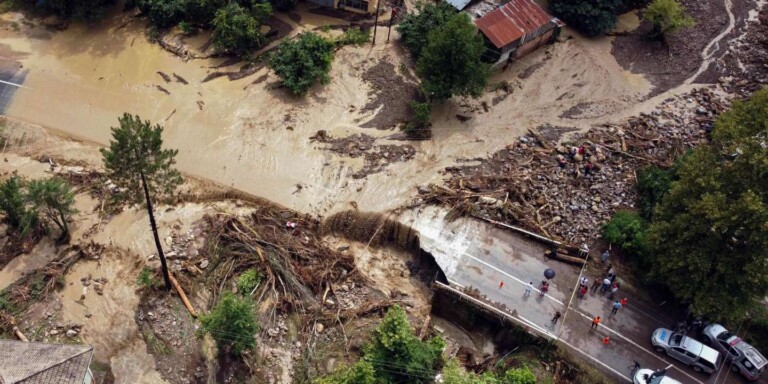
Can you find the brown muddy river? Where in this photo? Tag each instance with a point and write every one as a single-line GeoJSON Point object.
{"type": "Point", "coordinates": [256, 138]}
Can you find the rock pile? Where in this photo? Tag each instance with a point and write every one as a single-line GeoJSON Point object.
{"type": "Point", "coordinates": [547, 188]}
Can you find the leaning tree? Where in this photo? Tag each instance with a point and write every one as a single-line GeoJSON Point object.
{"type": "Point", "coordinates": [142, 169]}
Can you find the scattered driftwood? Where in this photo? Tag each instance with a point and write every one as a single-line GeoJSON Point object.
{"type": "Point", "coordinates": [565, 258]}
{"type": "Point", "coordinates": [20, 335]}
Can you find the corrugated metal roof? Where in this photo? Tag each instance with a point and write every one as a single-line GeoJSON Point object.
{"type": "Point", "coordinates": [512, 21]}
{"type": "Point", "coordinates": [38, 363]}
{"type": "Point", "coordinates": [459, 4]}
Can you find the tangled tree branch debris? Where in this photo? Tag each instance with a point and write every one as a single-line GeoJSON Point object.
{"type": "Point", "coordinates": [524, 184]}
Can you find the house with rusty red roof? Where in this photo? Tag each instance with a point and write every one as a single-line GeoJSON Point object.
{"type": "Point", "coordinates": [516, 28]}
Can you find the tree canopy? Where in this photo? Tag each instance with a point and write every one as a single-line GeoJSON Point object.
{"type": "Point", "coordinates": [709, 236]}
{"type": "Point", "coordinates": [415, 27]}
{"type": "Point", "coordinates": [450, 63]}
{"type": "Point", "coordinates": [237, 30]}
{"type": "Point", "coordinates": [302, 61]}
{"type": "Point", "coordinates": [232, 323]}
{"type": "Point", "coordinates": [590, 17]}
{"type": "Point", "coordinates": [136, 147]}
{"type": "Point", "coordinates": [87, 10]}
{"type": "Point", "coordinates": [54, 200]}
{"type": "Point", "coordinates": [667, 17]}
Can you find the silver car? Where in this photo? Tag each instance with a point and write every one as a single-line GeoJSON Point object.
{"type": "Point", "coordinates": [699, 356]}
{"type": "Point", "coordinates": [744, 358]}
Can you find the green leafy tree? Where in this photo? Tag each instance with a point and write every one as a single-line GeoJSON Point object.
{"type": "Point", "coordinates": [232, 324]}
{"type": "Point", "coordinates": [627, 230]}
{"type": "Point", "coordinates": [360, 373]}
{"type": "Point", "coordinates": [303, 61]}
{"type": "Point", "coordinates": [590, 17]}
{"type": "Point", "coordinates": [652, 184]}
{"type": "Point", "coordinates": [415, 27]}
{"type": "Point", "coordinates": [13, 203]}
{"type": "Point", "coordinates": [87, 10]}
{"type": "Point", "coordinates": [709, 238]}
{"type": "Point", "coordinates": [418, 128]}
{"type": "Point", "coordinates": [162, 13]}
{"type": "Point", "coordinates": [398, 356]}
{"type": "Point", "coordinates": [136, 162]}
{"type": "Point", "coordinates": [236, 30]}
{"type": "Point", "coordinates": [53, 198]}
{"type": "Point", "coordinates": [202, 12]}
{"type": "Point", "coordinates": [667, 17]}
{"type": "Point", "coordinates": [450, 63]}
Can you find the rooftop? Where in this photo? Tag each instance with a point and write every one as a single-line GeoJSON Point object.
{"type": "Point", "coordinates": [39, 363]}
{"type": "Point", "coordinates": [512, 21]}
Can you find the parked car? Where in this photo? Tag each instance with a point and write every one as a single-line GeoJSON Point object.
{"type": "Point", "coordinates": [744, 358]}
{"type": "Point", "coordinates": [642, 376]}
{"type": "Point", "coordinates": [699, 356]}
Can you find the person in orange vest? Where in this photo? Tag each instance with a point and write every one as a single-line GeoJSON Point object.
{"type": "Point", "coordinates": [595, 322]}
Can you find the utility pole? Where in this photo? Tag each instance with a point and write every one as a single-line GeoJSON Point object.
{"type": "Point", "coordinates": [153, 224]}
{"type": "Point", "coordinates": [376, 22]}
{"type": "Point", "coordinates": [392, 16]}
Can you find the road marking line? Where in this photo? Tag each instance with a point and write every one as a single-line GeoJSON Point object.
{"type": "Point", "coordinates": [606, 366]}
{"type": "Point", "coordinates": [652, 353]}
{"type": "Point", "coordinates": [502, 272]}
{"type": "Point", "coordinates": [14, 84]}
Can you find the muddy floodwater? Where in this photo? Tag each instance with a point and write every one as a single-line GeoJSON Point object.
{"type": "Point", "coordinates": [251, 135]}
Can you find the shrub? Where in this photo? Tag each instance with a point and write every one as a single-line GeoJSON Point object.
{"type": "Point", "coordinates": [590, 17]}
{"type": "Point", "coordinates": [303, 61]}
{"type": "Point", "coordinates": [236, 30]}
{"type": "Point", "coordinates": [418, 128]}
{"type": "Point", "coordinates": [54, 201]}
{"type": "Point", "coordinates": [147, 279]}
{"type": "Point", "coordinates": [627, 230]}
{"type": "Point", "coordinates": [232, 324]}
{"type": "Point", "coordinates": [355, 36]}
{"type": "Point", "coordinates": [248, 281]}
{"type": "Point", "coordinates": [14, 204]}
{"type": "Point", "coordinates": [162, 13]}
{"type": "Point", "coordinates": [360, 373]}
{"type": "Point", "coordinates": [522, 375]}
{"type": "Point", "coordinates": [667, 17]}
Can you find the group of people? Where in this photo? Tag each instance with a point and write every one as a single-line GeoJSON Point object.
{"type": "Point", "coordinates": [578, 155]}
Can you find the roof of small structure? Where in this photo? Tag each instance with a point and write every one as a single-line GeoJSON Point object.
{"type": "Point", "coordinates": [459, 4]}
{"type": "Point", "coordinates": [511, 21]}
{"type": "Point", "coordinates": [39, 363]}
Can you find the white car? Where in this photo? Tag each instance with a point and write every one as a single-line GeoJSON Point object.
{"type": "Point", "coordinates": [643, 376]}
{"type": "Point", "coordinates": [687, 350]}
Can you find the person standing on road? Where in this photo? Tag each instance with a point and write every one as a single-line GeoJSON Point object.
{"type": "Point", "coordinates": [583, 291]}
{"type": "Point", "coordinates": [596, 284]}
{"type": "Point", "coordinates": [614, 288]}
{"type": "Point", "coordinates": [624, 302]}
{"type": "Point", "coordinates": [607, 269]}
{"type": "Point", "coordinates": [606, 285]}
{"type": "Point", "coordinates": [556, 317]}
{"type": "Point", "coordinates": [583, 281]}
{"type": "Point", "coordinates": [616, 306]}
{"type": "Point", "coordinates": [595, 322]}
{"type": "Point", "coordinates": [604, 257]}
{"type": "Point", "coordinates": [528, 289]}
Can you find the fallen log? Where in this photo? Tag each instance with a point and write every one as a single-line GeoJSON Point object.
{"type": "Point", "coordinates": [183, 296]}
{"type": "Point", "coordinates": [564, 258]}
{"type": "Point", "coordinates": [20, 335]}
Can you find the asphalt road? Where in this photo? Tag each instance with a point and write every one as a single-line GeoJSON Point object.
{"type": "Point", "coordinates": [475, 254]}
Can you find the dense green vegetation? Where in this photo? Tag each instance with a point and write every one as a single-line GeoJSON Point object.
{"type": "Point", "coordinates": [303, 61]}
{"type": "Point", "coordinates": [708, 218]}
{"type": "Point", "coordinates": [667, 17]}
{"type": "Point", "coordinates": [415, 27]}
{"type": "Point", "coordinates": [418, 127]}
{"type": "Point", "coordinates": [236, 29]}
{"type": "Point", "coordinates": [450, 63]}
{"type": "Point", "coordinates": [395, 355]}
{"type": "Point", "coordinates": [590, 17]}
{"type": "Point", "coordinates": [232, 323]}
{"type": "Point", "coordinates": [87, 10]}
{"type": "Point", "coordinates": [37, 204]}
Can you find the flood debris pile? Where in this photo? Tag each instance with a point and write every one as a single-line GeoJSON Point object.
{"type": "Point", "coordinates": [376, 157]}
{"type": "Point", "coordinates": [744, 70]}
{"type": "Point", "coordinates": [567, 190]}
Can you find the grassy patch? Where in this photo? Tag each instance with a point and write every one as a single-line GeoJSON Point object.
{"type": "Point", "coordinates": [157, 345]}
